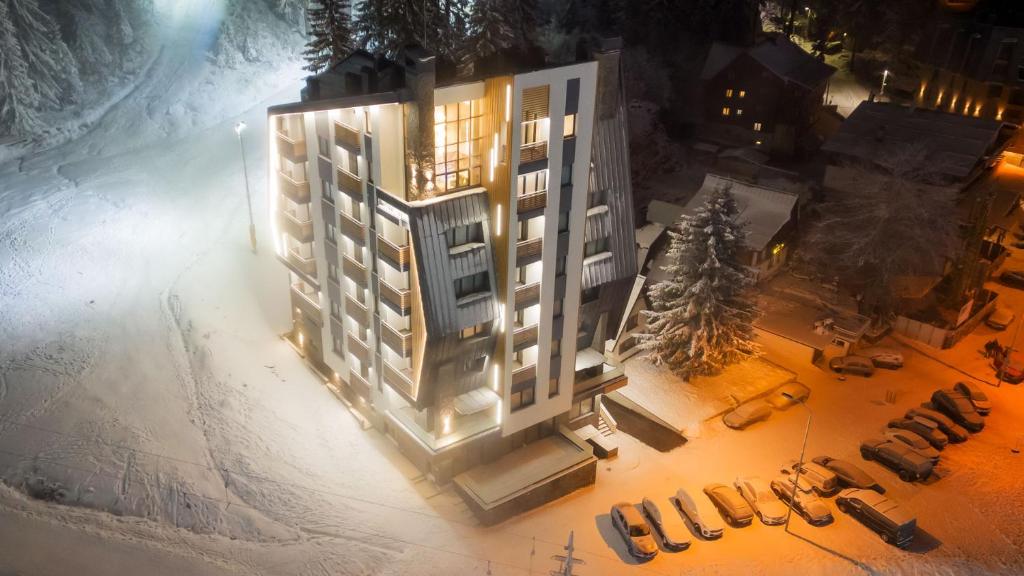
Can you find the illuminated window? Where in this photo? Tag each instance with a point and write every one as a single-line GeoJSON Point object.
{"type": "Point", "coordinates": [458, 141]}
{"type": "Point", "coordinates": [743, 93]}
{"type": "Point", "coordinates": [739, 111]}
{"type": "Point", "coordinates": [569, 128]}
{"type": "Point", "coordinates": [728, 93]}
{"type": "Point", "coordinates": [757, 126]}
{"type": "Point", "coordinates": [533, 183]}
{"type": "Point", "coordinates": [535, 131]}
{"type": "Point", "coordinates": [726, 111]}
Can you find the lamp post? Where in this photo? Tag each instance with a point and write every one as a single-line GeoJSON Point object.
{"type": "Point", "coordinates": [885, 78]}
{"type": "Point", "coordinates": [239, 127]}
{"type": "Point", "coordinates": [800, 464]}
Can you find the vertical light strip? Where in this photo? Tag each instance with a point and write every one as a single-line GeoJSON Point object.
{"type": "Point", "coordinates": [508, 103]}
{"type": "Point", "coordinates": [497, 375]}
{"type": "Point", "coordinates": [497, 225]}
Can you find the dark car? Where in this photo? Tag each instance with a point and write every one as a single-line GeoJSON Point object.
{"type": "Point", "coordinates": [979, 399]}
{"type": "Point", "coordinates": [730, 504]}
{"type": "Point", "coordinates": [1013, 278]}
{"type": "Point", "coordinates": [880, 514]}
{"type": "Point", "coordinates": [849, 474]}
{"type": "Point", "coordinates": [909, 464]}
{"type": "Point", "coordinates": [852, 365]}
{"type": "Point", "coordinates": [952, 430]}
{"type": "Point", "coordinates": [959, 408]}
{"type": "Point", "coordinates": [1009, 367]}
{"type": "Point", "coordinates": [924, 428]}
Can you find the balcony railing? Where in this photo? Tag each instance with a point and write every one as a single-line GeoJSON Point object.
{"type": "Point", "coordinates": [530, 202]}
{"type": "Point", "coordinates": [524, 374]}
{"type": "Point", "coordinates": [353, 270]}
{"type": "Point", "coordinates": [350, 184]}
{"type": "Point", "coordinates": [524, 337]}
{"type": "Point", "coordinates": [527, 295]}
{"type": "Point", "coordinates": [294, 190]}
{"type": "Point", "coordinates": [533, 152]}
{"type": "Point", "coordinates": [292, 149]}
{"type": "Point", "coordinates": [398, 340]}
{"type": "Point", "coordinates": [359, 384]}
{"type": "Point", "coordinates": [357, 311]}
{"type": "Point", "coordinates": [347, 138]}
{"type": "Point", "coordinates": [306, 302]}
{"type": "Point", "coordinates": [400, 380]}
{"type": "Point", "coordinates": [529, 250]}
{"type": "Point", "coordinates": [353, 228]}
{"type": "Point", "coordinates": [305, 264]}
{"type": "Point", "coordinates": [358, 349]}
{"type": "Point", "coordinates": [397, 297]}
{"type": "Point", "coordinates": [398, 256]}
{"type": "Point", "coordinates": [301, 230]}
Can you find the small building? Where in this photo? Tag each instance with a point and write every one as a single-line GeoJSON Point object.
{"type": "Point", "coordinates": [767, 95]}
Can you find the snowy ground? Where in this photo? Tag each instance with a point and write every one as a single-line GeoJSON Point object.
{"type": "Point", "coordinates": [143, 387]}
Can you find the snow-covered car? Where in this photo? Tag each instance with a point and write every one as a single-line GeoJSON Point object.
{"type": "Point", "coordinates": [1009, 367]}
{"type": "Point", "coordinates": [807, 505]}
{"type": "Point", "coordinates": [849, 474]}
{"type": "Point", "coordinates": [1013, 278]}
{"type": "Point", "coordinates": [952, 430]}
{"type": "Point", "coordinates": [852, 365]}
{"type": "Point", "coordinates": [730, 504]}
{"type": "Point", "coordinates": [982, 405]}
{"type": "Point", "coordinates": [959, 408]}
{"type": "Point", "coordinates": [700, 515]}
{"type": "Point", "coordinates": [914, 441]}
{"type": "Point", "coordinates": [885, 517]}
{"type": "Point", "coordinates": [897, 456]}
{"type": "Point", "coordinates": [822, 480]}
{"type": "Point", "coordinates": [788, 394]}
{"type": "Point", "coordinates": [746, 414]}
{"type": "Point", "coordinates": [669, 527]}
{"type": "Point", "coordinates": [630, 524]}
{"type": "Point", "coordinates": [882, 357]}
{"type": "Point", "coordinates": [759, 495]}
{"type": "Point", "coordinates": [924, 428]}
{"type": "Point", "coordinates": [1000, 318]}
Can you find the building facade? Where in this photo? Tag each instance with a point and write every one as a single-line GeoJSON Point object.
{"type": "Point", "coordinates": [457, 250]}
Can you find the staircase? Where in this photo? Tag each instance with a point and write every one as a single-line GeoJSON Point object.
{"type": "Point", "coordinates": [603, 427]}
{"type": "Point", "coordinates": [606, 424]}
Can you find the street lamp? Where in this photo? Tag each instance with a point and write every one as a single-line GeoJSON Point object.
{"type": "Point", "coordinates": [885, 77]}
{"type": "Point", "coordinates": [800, 464]}
{"type": "Point", "coordinates": [239, 127]}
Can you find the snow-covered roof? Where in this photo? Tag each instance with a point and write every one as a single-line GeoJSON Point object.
{"type": "Point", "coordinates": [664, 213]}
{"type": "Point", "coordinates": [777, 54]}
{"type": "Point", "coordinates": [764, 210]}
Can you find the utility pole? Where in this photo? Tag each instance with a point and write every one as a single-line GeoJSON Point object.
{"type": "Point", "coordinates": [800, 464]}
{"type": "Point", "coordinates": [239, 127]}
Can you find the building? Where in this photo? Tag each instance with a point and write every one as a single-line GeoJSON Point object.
{"type": "Point", "coordinates": [459, 250]}
{"type": "Point", "coordinates": [769, 94]}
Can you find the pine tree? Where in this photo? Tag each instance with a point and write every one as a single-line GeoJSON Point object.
{"type": "Point", "coordinates": [331, 34]}
{"type": "Point", "coordinates": [524, 17]}
{"type": "Point", "coordinates": [17, 94]}
{"type": "Point", "coordinates": [701, 317]}
{"type": "Point", "coordinates": [48, 61]}
{"type": "Point", "coordinates": [490, 31]}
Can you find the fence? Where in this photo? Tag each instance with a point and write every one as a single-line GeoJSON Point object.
{"type": "Point", "coordinates": [942, 337]}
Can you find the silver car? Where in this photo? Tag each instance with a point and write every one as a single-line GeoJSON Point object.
{"type": "Point", "coordinates": [852, 365]}
{"type": "Point", "coordinates": [759, 495]}
{"type": "Point", "coordinates": [822, 480]}
{"type": "Point", "coordinates": [700, 514]}
{"type": "Point", "coordinates": [746, 414]}
{"type": "Point", "coordinates": [913, 441]}
{"type": "Point", "coordinates": [882, 357]}
{"type": "Point", "coordinates": [788, 394]}
{"type": "Point", "coordinates": [806, 504]}
{"type": "Point", "coordinates": [669, 527]}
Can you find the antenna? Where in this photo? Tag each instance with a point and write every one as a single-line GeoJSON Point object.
{"type": "Point", "coordinates": [567, 561]}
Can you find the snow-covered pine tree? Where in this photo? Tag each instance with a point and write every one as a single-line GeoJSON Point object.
{"type": "Point", "coordinates": [51, 68]}
{"type": "Point", "coordinates": [701, 316]}
{"type": "Point", "coordinates": [524, 18]}
{"type": "Point", "coordinates": [330, 34]}
{"type": "Point", "coordinates": [16, 90]}
{"type": "Point", "coordinates": [490, 31]}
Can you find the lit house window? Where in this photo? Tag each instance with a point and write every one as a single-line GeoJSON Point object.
{"type": "Point", "coordinates": [728, 93]}
{"type": "Point", "coordinates": [757, 126]}
{"type": "Point", "coordinates": [726, 111]}
{"type": "Point", "coordinates": [743, 93]}
{"type": "Point", "coordinates": [569, 128]}
{"type": "Point", "coordinates": [458, 130]}
{"type": "Point", "coordinates": [739, 111]}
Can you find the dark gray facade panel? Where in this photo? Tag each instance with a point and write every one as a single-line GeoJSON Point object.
{"type": "Point", "coordinates": [533, 166]}
{"type": "Point", "coordinates": [598, 272]}
{"type": "Point", "coordinates": [469, 262]}
{"type": "Point", "coordinates": [568, 148]}
{"type": "Point", "coordinates": [565, 200]}
{"type": "Point", "coordinates": [563, 243]}
{"type": "Point", "coordinates": [560, 286]}
{"type": "Point", "coordinates": [555, 368]}
{"type": "Point", "coordinates": [323, 166]}
{"type": "Point", "coordinates": [611, 174]}
{"type": "Point", "coordinates": [328, 212]}
{"type": "Point", "coordinates": [334, 294]}
{"type": "Point", "coordinates": [572, 96]}
{"type": "Point", "coordinates": [597, 226]}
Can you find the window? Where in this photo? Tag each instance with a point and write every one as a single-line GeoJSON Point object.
{"type": "Point", "coordinates": [566, 174]}
{"type": "Point", "coordinates": [337, 345]}
{"type": "Point", "coordinates": [332, 233]}
{"type": "Point", "coordinates": [595, 247]}
{"type": "Point", "coordinates": [569, 128]}
{"type": "Point", "coordinates": [1020, 73]}
{"type": "Point", "coordinates": [472, 331]}
{"type": "Point", "coordinates": [335, 309]}
{"type": "Point", "coordinates": [739, 111]}
{"type": "Point", "coordinates": [560, 266]}
{"type": "Point", "coordinates": [475, 365]}
{"type": "Point", "coordinates": [556, 309]}
{"type": "Point", "coordinates": [458, 141]}
{"type": "Point", "coordinates": [563, 221]}
{"type": "Point", "coordinates": [521, 399]}
{"type": "Point", "coordinates": [325, 146]}
{"type": "Point", "coordinates": [726, 111]}
{"type": "Point", "coordinates": [582, 408]}
{"type": "Point", "coordinates": [728, 93]}
{"type": "Point", "coordinates": [552, 387]}
{"type": "Point", "coordinates": [471, 285]}
{"type": "Point", "coordinates": [590, 295]}
{"type": "Point", "coordinates": [533, 183]}
{"type": "Point", "coordinates": [460, 235]}
{"type": "Point", "coordinates": [757, 127]}
{"type": "Point", "coordinates": [743, 93]}
{"type": "Point", "coordinates": [556, 347]}
{"type": "Point", "coordinates": [332, 272]}
{"type": "Point", "coordinates": [327, 190]}
{"type": "Point", "coordinates": [995, 90]}
{"type": "Point", "coordinates": [535, 131]}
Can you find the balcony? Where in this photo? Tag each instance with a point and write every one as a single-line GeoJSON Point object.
{"type": "Point", "coordinates": [301, 230]}
{"type": "Point", "coordinates": [400, 380]}
{"type": "Point", "coordinates": [524, 337]}
{"type": "Point", "coordinates": [304, 264]}
{"type": "Point", "coordinates": [348, 138]}
{"type": "Point", "coordinates": [307, 303]}
{"type": "Point", "coordinates": [350, 184]}
{"type": "Point", "coordinates": [397, 256]}
{"type": "Point", "coordinates": [533, 152]}
{"type": "Point", "coordinates": [294, 190]}
{"type": "Point", "coordinates": [398, 340]}
{"type": "Point", "coordinates": [397, 298]}
{"type": "Point", "coordinates": [353, 228]}
{"type": "Point", "coordinates": [530, 202]}
{"type": "Point", "coordinates": [293, 150]}
{"type": "Point", "coordinates": [527, 295]}
{"type": "Point", "coordinates": [524, 374]}
{"type": "Point", "coordinates": [358, 384]}
{"type": "Point", "coordinates": [358, 349]}
{"type": "Point", "coordinates": [357, 311]}
{"type": "Point", "coordinates": [529, 251]}
{"type": "Point", "coordinates": [353, 270]}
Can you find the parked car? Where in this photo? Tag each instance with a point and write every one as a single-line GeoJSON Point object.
{"type": "Point", "coordinates": [924, 428]}
{"type": "Point", "coordinates": [952, 430]}
{"type": "Point", "coordinates": [700, 515]}
{"type": "Point", "coordinates": [1013, 278]}
{"type": "Point", "coordinates": [788, 394]}
{"type": "Point", "coordinates": [746, 414]}
{"type": "Point", "coordinates": [917, 443]}
{"type": "Point", "coordinates": [1000, 318]}
{"type": "Point", "coordinates": [730, 504]}
{"type": "Point", "coordinates": [669, 527]}
{"type": "Point", "coordinates": [822, 480]}
{"type": "Point", "coordinates": [852, 365]}
{"type": "Point", "coordinates": [849, 474]}
{"type": "Point", "coordinates": [880, 514]}
{"type": "Point", "coordinates": [634, 530]}
{"type": "Point", "coordinates": [759, 495]}
{"type": "Point", "coordinates": [959, 408]}
{"type": "Point", "coordinates": [807, 505]}
{"type": "Point", "coordinates": [898, 457]}
{"type": "Point", "coordinates": [881, 357]}
{"type": "Point", "coordinates": [978, 399]}
{"type": "Point", "coordinates": [1009, 367]}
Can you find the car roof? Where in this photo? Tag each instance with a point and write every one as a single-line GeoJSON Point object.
{"type": "Point", "coordinates": [884, 505]}
{"type": "Point", "coordinates": [630, 513]}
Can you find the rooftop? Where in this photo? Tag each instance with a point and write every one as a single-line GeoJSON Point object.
{"type": "Point", "coordinates": [764, 210]}
{"type": "Point", "coordinates": [776, 53]}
